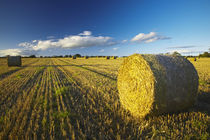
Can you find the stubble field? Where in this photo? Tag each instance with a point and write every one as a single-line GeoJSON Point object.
{"type": "Point", "coordinates": [51, 98]}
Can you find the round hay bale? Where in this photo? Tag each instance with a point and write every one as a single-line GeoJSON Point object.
{"type": "Point", "coordinates": [156, 84]}
{"type": "Point", "coordinates": [115, 57]}
{"type": "Point", "coordinates": [14, 61]}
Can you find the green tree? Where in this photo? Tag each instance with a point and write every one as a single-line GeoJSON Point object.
{"type": "Point", "coordinates": [78, 55]}
{"type": "Point", "coordinates": [205, 54]}
{"type": "Point", "coordinates": [176, 53]}
{"type": "Point", "coordinates": [32, 56]}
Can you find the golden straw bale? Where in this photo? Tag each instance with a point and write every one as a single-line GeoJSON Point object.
{"type": "Point", "coordinates": [156, 84]}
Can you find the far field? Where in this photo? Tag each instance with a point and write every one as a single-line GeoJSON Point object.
{"type": "Point", "coordinates": [51, 98]}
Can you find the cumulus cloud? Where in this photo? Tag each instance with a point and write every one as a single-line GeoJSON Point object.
{"type": "Point", "coordinates": [82, 40]}
{"type": "Point", "coordinates": [78, 41]}
{"type": "Point", "coordinates": [43, 45]}
{"type": "Point", "coordinates": [148, 38]}
{"type": "Point", "coordinates": [15, 52]}
{"type": "Point", "coordinates": [26, 44]}
{"type": "Point", "coordinates": [86, 33]}
{"type": "Point", "coordinates": [10, 52]}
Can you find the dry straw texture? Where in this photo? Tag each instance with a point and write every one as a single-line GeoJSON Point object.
{"type": "Point", "coordinates": [156, 84]}
{"type": "Point", "coordinates": [14, 61]}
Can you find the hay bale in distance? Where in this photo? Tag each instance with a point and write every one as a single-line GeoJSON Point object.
{"type": "Point", "coordinates": [14, 61]}
{"type": "Point", "coordinates": [156, 84]}
{"type": "Point", "coordinates": [107, 57]}
{"type": "Point", "coordinates": [115, 57]}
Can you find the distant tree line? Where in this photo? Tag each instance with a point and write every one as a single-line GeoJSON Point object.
{"type": "Point", "coordinates": [205, 54]}
{"type": "Point", "coordinates": [71, 56]}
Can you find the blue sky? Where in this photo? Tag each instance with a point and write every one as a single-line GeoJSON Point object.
{"type": "Point", "coordinates": [104, 27]}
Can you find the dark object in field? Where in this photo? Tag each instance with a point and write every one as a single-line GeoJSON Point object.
{"type": "Point", "coordinates": [157, 84]}
{"type": "Point", "coordinates": [195, 59]}
{"type": "Point", "coordinates": [14, 61]}
{"type": "Point", "coordinates": [86, 57]}
{"type": "Point", "coordinates": [74, 57]}
{"type": "Point", "coordinates": [114, 57]}
{"type": "Point", "coordinates": [107, 57]}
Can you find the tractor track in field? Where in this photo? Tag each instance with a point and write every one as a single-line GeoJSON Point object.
{"type": "Point", "coordinates": [73, 79]}
{"type": "Point", "coordinates": [82, 67]}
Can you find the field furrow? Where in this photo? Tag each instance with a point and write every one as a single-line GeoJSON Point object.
{"type": "Point", "coordinates": [20, 82]}
{"type": "Point", "coordinates": [106, 72]}
{"type": "Point", "coordinates": [15, 115]}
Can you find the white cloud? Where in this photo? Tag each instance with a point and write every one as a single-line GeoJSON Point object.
{"type": "Point", "coordinates": [15, 52]}
{"type": "Point", "coordinates": [26, 44]}
{"type": "Point", "coordinates": [102, 50]}
{"type": "Point", "coordinates": [82, 40]}
{"type": "Point", "coordinates": [10, 52]}
{"type": "Point", "coordinates": [86, 33]}
{"type": "Point", "coordinates": [115, 48]}
{"type": "Point", "coordinates": [148, 38]}
{"type": "Point", "coordinates": [43, 45]}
